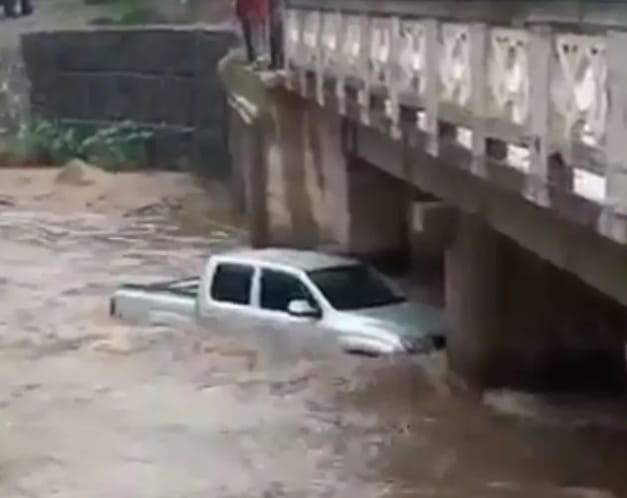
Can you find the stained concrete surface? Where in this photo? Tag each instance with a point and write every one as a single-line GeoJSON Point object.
{"type": "Point", "coordinates": [93, 408]}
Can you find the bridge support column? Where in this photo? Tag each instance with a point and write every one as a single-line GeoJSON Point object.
{"type": "Point", "coordinates": [249, 177]}
{"type": "Point", "coordinates": [519, 322]}
{"type": "Point", "coordinates": [472, 291]}
{"type": "Point", "coordinates": [377, 214]}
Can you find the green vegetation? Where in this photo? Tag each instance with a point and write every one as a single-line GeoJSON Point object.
{"type": "Point", "coordinates": [120, 12]}
{"type": "Point", "coordinates": [117, 147]}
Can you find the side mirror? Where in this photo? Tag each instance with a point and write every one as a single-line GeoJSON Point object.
{"type": "Point", "coordinates": [302, 309]}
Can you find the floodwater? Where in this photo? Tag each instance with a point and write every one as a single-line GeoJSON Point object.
{"type": "Point", "coordinates": [94, 408]}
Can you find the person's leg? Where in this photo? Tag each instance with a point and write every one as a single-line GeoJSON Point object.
{"type": "Point", "coordinates": [248, 41]}
{"type": "Point", "coordinates": [9, 8]}
{"type": "Point", "coordinates": [26, 7]}
{"type": "Point", "coordinates": [276, 34]}
{"type": "Point", "coordinates": [276, 45]}
{"type": "Point", "coordinates": [257, 39]}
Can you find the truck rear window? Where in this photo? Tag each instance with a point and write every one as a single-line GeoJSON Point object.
{"type": "Point", "coordinates": [231, 283]}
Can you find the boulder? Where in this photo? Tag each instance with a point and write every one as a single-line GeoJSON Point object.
{"type": "Point", "coordinates": [78, 173]}
{"type": "Point", "coordinates": [7, 201]}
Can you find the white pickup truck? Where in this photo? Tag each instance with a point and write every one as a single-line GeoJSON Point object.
{"type": "Point", "coordinates": [341, 297]}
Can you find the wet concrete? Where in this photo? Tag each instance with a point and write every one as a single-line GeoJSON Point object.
{"type": "Point", "coordinates": [94, 408]}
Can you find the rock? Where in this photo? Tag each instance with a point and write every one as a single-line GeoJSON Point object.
{"type": "Point", "coordinates": [7, 201]}
{"type": "Point", "coordinates": [79, 173]}
{"type": "Point", "coordinates": [520, 404]}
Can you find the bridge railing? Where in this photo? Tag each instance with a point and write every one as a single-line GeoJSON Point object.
{"type": "Point", "coordinates": [543, 102]}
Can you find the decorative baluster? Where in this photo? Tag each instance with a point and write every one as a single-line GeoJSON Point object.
{"type": "Point", "coordinates": [411, 59]}
{"type": "Point", "coordinates": [455, 67]}
{"type": "Point", "coordinates": [509, 73]}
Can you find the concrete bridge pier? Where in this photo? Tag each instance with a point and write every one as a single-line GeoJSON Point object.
{"type": "Point", "coordinates": [520, 322]}
{"type": "Point", "coordinates": [473, 274]}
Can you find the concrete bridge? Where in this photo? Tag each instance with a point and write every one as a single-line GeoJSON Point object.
{"type": "Point", "coordinates": [492, 133]}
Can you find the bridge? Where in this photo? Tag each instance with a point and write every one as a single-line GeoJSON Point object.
{"type": "Point", "coordinates": [491, 133]}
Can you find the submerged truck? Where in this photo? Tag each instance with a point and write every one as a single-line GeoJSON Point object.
{"type": "Point", "coordinates": [340, 297]}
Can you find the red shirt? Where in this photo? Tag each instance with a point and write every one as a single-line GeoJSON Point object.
{"type": "Point", "coordinates": [253, 10]}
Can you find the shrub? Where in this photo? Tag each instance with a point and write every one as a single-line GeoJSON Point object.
{"type": "Point", "coordinates": [126, 11]}
{"type": "Point", "coordinates": [44, 142]}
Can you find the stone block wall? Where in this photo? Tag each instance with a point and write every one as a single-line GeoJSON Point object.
{"type": "Point", "coordinates": [14, 89]}
{"type": "Point", "coordinates": [162, 79]}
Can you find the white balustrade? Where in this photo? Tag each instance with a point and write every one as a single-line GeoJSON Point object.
{"type": "Point", "coordinates": [555, 92]}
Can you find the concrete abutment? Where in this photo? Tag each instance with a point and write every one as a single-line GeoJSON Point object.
{"type": "Point", "coordinates": [520, 322]}
{"type": "Point", "coordinates": [301, 187]}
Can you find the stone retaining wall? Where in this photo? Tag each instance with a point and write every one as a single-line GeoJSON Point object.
{"type": "Point", "coordinates": [161, 78]}
{"type": "Point", "coordinates": [13, 89]}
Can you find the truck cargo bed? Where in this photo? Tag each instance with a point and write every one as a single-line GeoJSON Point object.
{"type": "Point", "coordinates": [161, 303]}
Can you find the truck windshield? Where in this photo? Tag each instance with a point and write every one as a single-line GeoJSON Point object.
{"type": "Point", "coordinates": [353, 287]}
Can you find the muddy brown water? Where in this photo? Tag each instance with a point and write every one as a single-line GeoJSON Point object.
{"type": "Point", "coordinates": [94, 408]}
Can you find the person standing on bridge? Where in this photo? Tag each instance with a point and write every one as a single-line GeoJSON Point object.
{"type": "Point", "coordinates": [276, 34]}
{"type": "Point", "coordinates": [254, 16]}
{"type": "Point", "coordinates": [10, 7]}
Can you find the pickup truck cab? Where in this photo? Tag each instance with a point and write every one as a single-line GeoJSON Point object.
{"type": "Point", "coordinates": [340, 296]}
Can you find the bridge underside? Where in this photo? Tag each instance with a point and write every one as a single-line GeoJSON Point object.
{"type": "Point", "coordinates": [520, 321]}
{"type": "Point", "coordinates": [520, 316]}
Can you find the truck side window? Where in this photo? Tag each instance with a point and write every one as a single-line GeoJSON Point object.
{"type": "Point", "coordinates": [279, 288]}
{"type": "Point", "coordinates": [231, 283]}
